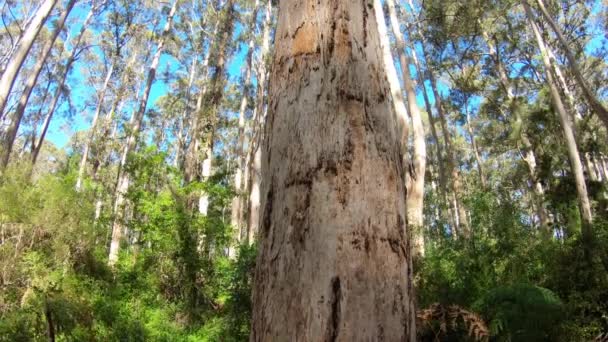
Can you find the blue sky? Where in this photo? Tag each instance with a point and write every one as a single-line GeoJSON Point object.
{"type": "Point", "coordinates": [61, 129]}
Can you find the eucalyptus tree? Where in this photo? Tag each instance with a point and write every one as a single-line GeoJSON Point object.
{"type": "Point", "coordinates": [241, 163]}
{"type": "Point", "coordinates": [588, 93]}
{"type": "Point", "coordinates": [254, 153]}
{"type": "Point", "coordinates": [17, 59]}
{"type": "Point", "coordinates": [138, 116]}
{"type": "Point", "coordinates": [199, 164]}
{"type": "Point", "coordinates": [528, 154]}
{"type": "Point", "coordinates": [78, 47]}
{"type": "Point", "coordinates": [461, 223]}
{"type": "Point", "coordinates": [334, 253]}
{"type": "Point", "coordinates": [415, 193]}
{"type": "Point", "coordinates": [16, 117]}
{"type": "Point", "coordinates": [567, 126]}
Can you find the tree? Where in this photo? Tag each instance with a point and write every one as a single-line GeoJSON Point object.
{"type": "Point", "coordinates": [124, 177]}
{"type": "Point", "coordinates": [11, 134]}
{"type": "Point", "coordinates": [258, 120]}
{"type": "Point", "coordinates": [593, 101]}
{"type": "Point", "coordinates": [415, 195]}
{"type": "Point", "coordinates": [334, 252]}
{"type": "Point", "coordinates": [11, 71]}
{"type": "Point", "coordinates": [566, 123]}
{"type": "Point", "coordinates": [237, 201]}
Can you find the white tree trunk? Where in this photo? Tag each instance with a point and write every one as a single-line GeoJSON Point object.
{"type": "Point", "coordinates": [589, 95]}
{"type": "Point", "coordinates": [573, 153]}
{"type": "Point", "coordinates": [15, 120]}
{"type": "Point", "coordinates": [255, 153]}
{"type": "Point", "coordinates": [124, 177]}
{"type": "Point", "coordinates": [237, 201]}
{"type": "Point", "coordinates": [93, 129]}
{"type": "Point", "coordinates": [18, 58]}
{"type": "Point", "coordinates": [415, 194]}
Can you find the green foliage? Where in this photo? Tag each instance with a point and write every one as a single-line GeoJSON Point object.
{"type": "Point", "coordinates": [173, 281]}
{"type": "Point", "coordinates": [524, 285]}
{"type": "Point", "coordinates": [522, 312]}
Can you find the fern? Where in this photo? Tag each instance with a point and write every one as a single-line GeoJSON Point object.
{"type": "Point", "coordinates": [441, 320]}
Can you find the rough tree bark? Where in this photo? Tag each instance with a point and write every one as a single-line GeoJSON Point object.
{"type": "Point", "coordinates": [334, 253]}
{"type": "Point", "coordinates": [18, 58]}
{"type": "Point", "coordinates": [566, 123]}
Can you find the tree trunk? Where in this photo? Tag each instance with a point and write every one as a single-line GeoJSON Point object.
{"type": "Point", "coordinates": [25, 44]}
{"type": "Point", "coordinates": [529, 156]}
{"type": "Point", "coordinates": [237, 201]}
{"type": "Point", "coordinates": [50, 326]}
{"type": "Point", "coordinates": [415, 195]}
{"type": "Point", "coordinates": [334, 253]}
{"type": "Point", "coordinates": [255, 152]}
{"type": "Point", "coordinates": [59, 91]}
{"type": "Point", "coordinates": [462, 225]}
{"type": "Point", "coordinates": [213, 100]}
{"type": "Point", "coordinates": [589, 95]}
{"type": "Point", "coordinates": [15, 122]}
{"type": "Point", "coordinates": [573, 153]}
{"type": "Point", "coordinates": [93, 129]}
{"type": "Point", "coordinates": [124, 176]}
{"type": "Point", "coordinates": [475, 147]}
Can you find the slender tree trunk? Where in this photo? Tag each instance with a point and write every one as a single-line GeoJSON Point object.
{"type": "Point", "coordinates": [589, 95]}
{"type": "Point", "coordinates": [213, 99]}
{"type": "Point", "coordinates": [589, 165]}
{"type": "Point", "coordinates": [462, 225]}
{"type": "Point", "coordinates": [529, 156]}
{"type": "Point", "coordinates": [415, 195]}
{"type": "Point", "coordinates": [237, 201]}
{"type": "Point", "coordinates": [93, 129]}
{"type": "Point", "coordinates": [334, 255]}
{"type": "Point", "coordinates": [124, 176]}
{"type": "Point", "coordinates": [181, 139]}
{"type": "Point", "coordinates": [15, 121]}
{"type": "Point", "coordinates": [429, 110]}
{"type": "Point", "coordinates": [573, 153]}
{"type": "Point", "coordinates": [482, 176]}
{"type": "Point", "coordinates": [54, 102]}
{"type": "Point", "coordinates": [255, 151]}
{"type": "Point", "coordinates": [60, 85]}
{"type": "Point", "coordinates": [18, 58]}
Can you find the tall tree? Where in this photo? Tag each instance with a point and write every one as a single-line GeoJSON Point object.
{"type": "Point", "coordinates": [415, 190]}
{"type": "Point", "coordinates": [241, 164]}
{"type": "Point", "coordinates": [255, 151]}
{"type": "Point", "coordinates": [589, 95]}
{"type": "Point", "coordinates": [124, 176]}
{"type": "Point", "coordinates": [567, 126]}
{"type": "Point", "coordinates": [18, 57]}
{"type": "Point", "coordinates": [204, 133]}
{"type": "Point", "coordinates": [17, 116]}
{"type": "Point", "coordinates": [334, 253]}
